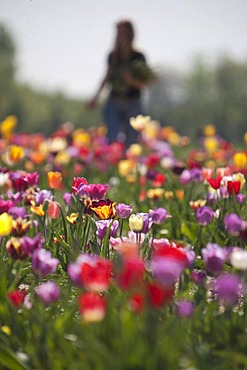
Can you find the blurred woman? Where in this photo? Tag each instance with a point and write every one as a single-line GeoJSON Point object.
{"type": "Point", "coordinates": [127, 75]}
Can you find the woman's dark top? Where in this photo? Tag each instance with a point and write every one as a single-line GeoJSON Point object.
{"type": "Point", "coordinates": [136, 67]}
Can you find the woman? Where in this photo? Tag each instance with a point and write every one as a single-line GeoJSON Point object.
{"type": "Point", "coordinates": [127, 75]}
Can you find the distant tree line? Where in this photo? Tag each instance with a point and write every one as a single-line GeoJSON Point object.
{"type": "Point", "coordinates": [208, 92]}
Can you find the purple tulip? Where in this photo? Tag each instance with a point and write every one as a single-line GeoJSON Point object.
{"type": "Point", "coordinates": [198, 276]}
{"type": "Point", "coordinates": [166, 270]}
{"type": "Point", "coordinates": [214, 257]}
{"type": "Point", "coordinates": [240, 198]}
{"type": "Point", "coordinates": [43, 195]}
{"type": "Point", "coordinates": [123, 210]}
{"type": "Point", "coordinates": [185, 308]}
{"type": "Point", "coordinates": [158, 215]}
{"type": "Point", "coordinates": [102, 226]}
{"type": "Point", "coordinates": [204, 215]}
{"type": "Point", "coordinates": [67, 198]}
{"type": "Point", "coordinates": [42, 262]}
{"type": "Point", "coordinates": [31, 244]}
{"type": "Point", "coordinates": [16, 212]}
{"type": "Point", "coordinates": [234, 224]}
{"type": "Point", "coordinates": [48, 292]}
{"type": "Point", "coordinates": [228, 288]}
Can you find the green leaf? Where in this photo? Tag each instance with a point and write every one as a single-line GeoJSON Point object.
{"type": "Point", "coordinates": [10, 360]}
{"type": "Point", "coordinates": [190, 230]}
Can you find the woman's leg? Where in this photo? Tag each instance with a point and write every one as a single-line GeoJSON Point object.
{"type": "Point", "coordinates": [111, 116]}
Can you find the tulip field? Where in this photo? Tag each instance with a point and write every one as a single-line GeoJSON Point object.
{"type": "Point", "coordinates": [122, 258]}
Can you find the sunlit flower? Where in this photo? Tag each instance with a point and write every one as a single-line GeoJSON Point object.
{"type": "Point", "coordinates": [139, 122]}
{"type": "Point", "coordinates": [38, 210]}
{"type": "Point", "coordinates": [93, 191]}
{"type": "Point", "coordinates": [104, 209]}
{"type": "Point", "coordinates": [238, 259]}
{"type": "Point", "coordinates": [72, 218]}
{"type": "Point", "coordinates": [5, 224]}
{"type": "Point", "coordinates": [54, 179]}
{"type": "Point", "coordinates": [123, 210]}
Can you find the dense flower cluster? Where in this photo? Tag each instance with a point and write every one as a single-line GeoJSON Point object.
{"type": "Point", "coordinates": [102, 232]}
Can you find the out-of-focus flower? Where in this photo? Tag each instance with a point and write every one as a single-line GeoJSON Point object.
{"type": "Point", "coordinates": [5, 224]}
{"type": "Point", "coordinates": [158, 215]}
{"type": "Point", "coordinates": [7, 127]}
{"type": "Point", "coordinates": [211, 144]}
{"type": "Point", "coordinates": [238, 259]}
{"type": "Point", "coordinates": [185, 308]}
{"type": "Point", "coordinates": [48, 292]}
{"type": "Point", "coordinates": [136, 302]}
{"type": "Point", "coordinates": [15, 248]}
{"type": "Point", "coordinates": [155, 194]}
{"type": "Point", "coordinates": [6, 205]}
{"type": "Point", "coordinates": [31, 244]}
{"type": "Point", "coordinates": [209, 130]}
{"type": "Point", "coordinates": [123, 210]}
{"type": "Point", "coordinates": [158, 295]}
{"type": "Point", "coordinates": [127, 167]}
{"type": "Point", "coordinates": [104, 209]}
{"type": "Point", "coordinates": [215, 182]}
{"type": "Point", "coordinates": [17, 212]}
{"type": "Point", "coordinates": [135, 150]}
{"type": "Point", "coordinates": [132, 272]}
{"type": "Point", "coordinates": [198, 276]}
{"type": "Point", "coordinates": [54, 179]}
{"type": "Point", "coordinates": [240, 159]}
{"type": "Point", "coordinates": [204, 215]}
{"type": "Point", "coordinates": [21, 180]}
{"type": "Point", "coordinates": [67, 198]}
{"type": "Point", "coordinates": [20, 226]}
{"type": "Point", "coordinates": [42, 262]}
{"type": "Point", "coordinates": [234, 224]}
{"type": "Point", "coordinates": [17, 297]}
{"type": "Point", "coordinates": [53, 210]}
{"type": "Point", "coordinates": [92, 307]}
{"type": "Point", "coordinates": [228, 288]}
{"type": "Point", "coordinates": [233, 187]}
{"type": "Point", "coordinates": [214, 257]}
{"type": "Point", "coordinates": [96, 274]}
{"type": "Point", "coordinates": [140, 122]}
{"type": "Point", "coordinates": [197, 203]}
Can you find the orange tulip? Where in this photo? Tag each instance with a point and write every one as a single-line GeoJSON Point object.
{"type": "Point", "coordinates": [54, 179]}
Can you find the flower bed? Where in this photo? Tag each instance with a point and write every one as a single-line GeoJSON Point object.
{"type": "Point", "coordinates": [115, 258]}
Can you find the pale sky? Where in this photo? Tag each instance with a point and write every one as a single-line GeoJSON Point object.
{"type": "Point", "coordinates": [63, 44]}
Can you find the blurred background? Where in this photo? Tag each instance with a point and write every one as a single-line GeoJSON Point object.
{"type": "Point", "coordinates": [53, 56]}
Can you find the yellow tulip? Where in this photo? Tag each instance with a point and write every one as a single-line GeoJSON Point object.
{"type": "Point", "coordinates": [5, 224]}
